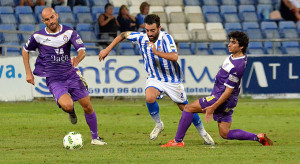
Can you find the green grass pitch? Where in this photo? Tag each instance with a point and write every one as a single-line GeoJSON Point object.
{"type": "Point", "coordinates": [32, 132]}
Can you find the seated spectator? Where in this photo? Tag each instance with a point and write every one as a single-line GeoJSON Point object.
{"type": "Point", "coordinates": [32, 3]}
{"type": "Point", "coordinates": [126, 21]}
{"type": "Point", "coordinates": [53, 3]}
{"type": "Point", "coordinates": [72, 3]}
{"type": "Point", "coordinates": [290, 10]}
{"type": "Point", "coordinates": [144, 9]}
{"type": "Point", "coordinates": [107, 22]}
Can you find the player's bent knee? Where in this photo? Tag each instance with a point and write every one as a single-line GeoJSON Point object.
{"type": "Point", "coordinates": [68, 107]}
{"type": "Point", "coordinates": [150, 99]}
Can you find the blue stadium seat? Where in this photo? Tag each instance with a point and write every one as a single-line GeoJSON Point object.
{"type": "Point", "coordinates": [91, 51]}
{"type": "Point", "coordinates": [83, 27]}
{"type": "Point", "coordinates": [116, 10]}
{"type": "Point", "coordinates": [26, 27]}
{"type": "Point", "coordinates": [247, 2]}
{"type": "Point", "coordinates": [8, 37]}
{"type": "Point", "coordinates": [229, 13]}
{"type": "Point", "coordinates": [38, 9]}
{"type": "Point", "coordinates": [42, 26]}
{"type": "Point", "coordinates": [11, 51]}
{"type": "Point", "coordinates": [98, 2]}
{"type": "Point", "coordinates": [248, 13]}
{"type": "Point", "coordinates": [218, 48]}
{"type": "Point", "coordinates": [83, 14]}
{"type": "Point", "coordinates": [263, 11]}
{"type": "Point", "coordinates": [256, 48]}
{"type": "Point", "coordinates": [87, 35]}
{"type": "Point", "coordinates": [288, 29]}
{"type": "Point", "coordinates": [6, 10]}
{"type": "Point", "coordinates": [62, 9]}
{"type": "Point", "coordinates": [211, 13]}
{"type": "Point", "coordinates": [68, 24]}
{"type": "Point", "coordinates": [269, 49]}
{"type": "Point", "coordinates": [66, 17]}
{"type": "Point", "coordinates": [23, 10]}
{"type": "Point", "coordinates": [252, 29]}
{"type": "Point", "coordinates": [229, 2]}
{"type": "Point", "coordinates": [81, 9]}
{"type": "Point", "coordinates": [126, 48]}
{"type": "Point", "coordinates": [96, 10]}
{"type": "Point", "coordinates": [191, 2]}
{"type": "Point", "coordinates": [202, 49]}
{"type": "Point", "coordinates": [7, 3]}
{"type": "Point", "coordinates": [291, 48]}
{"type": "Point", "coordinates": [8, 19]}
{"type": "Point", "coordinates": [266, 2]}
{"type": "Point", "coordinates": [211, 2]}
{"type": "Point", "coordinates": [298, 27]}
{"type": "Point", "coordinates": [233, 27]}
{"type": "Point", "coordinates": [184, 48]}
{"type": "Point", "coordinates": [26, 18]}
{"type": "Point", "coordinates": [270, 30]}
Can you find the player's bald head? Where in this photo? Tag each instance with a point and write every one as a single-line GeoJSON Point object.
{"type": "Point", "coordinates": [48, 11]}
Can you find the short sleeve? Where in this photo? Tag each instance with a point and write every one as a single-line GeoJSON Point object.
{"type": "Point", "coordinates": [31, 44]}
{"type": "Point", "coordinates": [132, 36]}
{"type": "Point", "coordinates": [169, 44]}
{"type": "Point", "coordinates": [77, 41]}
{"type": "Point", "coordinates": [234, 77]}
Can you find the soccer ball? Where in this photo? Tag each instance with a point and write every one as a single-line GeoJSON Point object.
{"type": "Point", "coordinates": [73, 141]}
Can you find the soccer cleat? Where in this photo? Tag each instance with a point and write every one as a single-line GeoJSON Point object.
{"type": "Point", "coordinates": [264, 140]}
{"type": "Point", "coordinates": [73, 118]}
{"type": "Point", "coordinates": [173, 143]}
{"type": "Point", "coordinates": [208, 140]}
{"type": "Point", "coordinates": [155, 132]}
{"type": "Point", "coordinates": [98, 141]}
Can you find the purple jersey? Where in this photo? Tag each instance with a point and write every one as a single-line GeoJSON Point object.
{"type": "Point", "coordinates": [230, 75]}
{"type": "Point", "coordinates": [54, 51]}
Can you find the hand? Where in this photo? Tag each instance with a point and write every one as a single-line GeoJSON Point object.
{"type": "Point", "coordinates": [132, 24]}
{"type": "Point", "coordinates": [30, 78]}
{"type": "Point", "coordinates": [111, 17]}
{"type": "Point", "coordinates": [152, 45]}
{"type": "Point", "coordinates": [103, 53]}
{"type": "Point", "coordinates": [209, 113]}
{"type": "Point", "coordinates": [75, 62]}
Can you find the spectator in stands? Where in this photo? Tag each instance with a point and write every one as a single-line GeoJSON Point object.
{"type": "Point", "coordinates": [144, 9]}
{"type": "Point", "coordinates": [290, 10]}
{"type": "Point", "coordinates": [72, 3]}
{"type": "Point", "coordinates": [32, 3]}
{"type": "Point", "coordinates": [126, 21]}
{"type": "Point", "coordinates": [107, 22]}
{"type": "Point", "coordinates": [53, 3]}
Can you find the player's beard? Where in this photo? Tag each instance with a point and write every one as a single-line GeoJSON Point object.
{"type": "Point", "coordinates": [53, 27]}
{"type": "Point", "coordinates": [154, 37]}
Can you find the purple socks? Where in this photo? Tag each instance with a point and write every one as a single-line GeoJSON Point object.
{"type": "Point", "coordinates": [91, 120]}
{"type": "Point", "coordinates": [184, 124]}
{"type": "Point", "coordinates": [238, 134]}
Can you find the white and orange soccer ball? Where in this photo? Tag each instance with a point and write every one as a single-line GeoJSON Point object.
{"type": "Point", "coordinates": [73, 141]}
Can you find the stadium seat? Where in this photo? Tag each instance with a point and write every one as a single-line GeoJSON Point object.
{"type": "Point", "coordinates": [83, 14]}
{"type": "Point", "coordinates": [177, 27]}
{"type": "Point", "coordinates": [41, 26]}
{"type": "Point", "coordinates": [91, 51]}
{"type": "Point", "coordinates": [256, 48]}
{"type": "Point", "coordinates": [23, 10]}
{"type": "Point", "coordinates": [96, 11]}
{"type": "Point", "coordinates": [266, 2]}
{"type": "Point", "coordinates": [229, 2]}
{"type": "Point", "coordinates": [26, 18]}
{"type": "Point", "coordinates": [28, 28]}
{"type": "Point", "coordinates": [156, 3]}
{"type": "Point", "coordinates": [211, 2]}
{"type": "Point", "coordinates": [210, 26]}
{"type": "Point", "coordinates": [192, 9]}
{"type": "Point", "coordinates": [11, 51]}
{"type": "Point", "coordinates": [134, 10]}
{"type": "Point", "coordinates": [252, 29]}
{"type": "Point", "coordinates": [181, 36]}
{"type": "Point", "coordinates": [87, 36]}
{"type": "Point", "coordinates": [247, 2]}
{"type": "Point", "coordinates": [248, 13]}
{"type": "Point", "coordinates": [270, 30]}
{"type": "Point", "coordinates": [218, 48]}
{"type": "Point", "coordinates": [288, 29]}
{"type": "Point", "coordinates": [233, 27]}
{"type": "Point", "coordinates": [211, 13]}
{"type": "Point", "coordinates": [269, 49]}
{"type": "Point", "coordinates": [184, 48]}
{"type": "Point", "coordinates": [67, 17]}
{"type": "Point", "coordinates": [9, 37]}
{"type": "Point", "coordinates": [98, 3]}
{"type": "Point", "coordinates": [177, 17]}
{"type": "Point", "coordinates": [126, 48]}
{"type": "Point", "coordinates": [195, 18]}
{"type": "Point", "coordinates": [229, 13]}
{"type": "Point", "coordinates": [192, 26]}
{"type": "Point", "coordinates": [263, 11]}
{"type": "Point", "coordinates": [173, 2]}
{"type": "Point", "coordinates": [68, 24]}
{"type": "Point", "coordinates": [135, 2]}
{"type": "Point", "coordinates": [217, 34]}
{"type": "Point", "coordinates": [62, 9]}
{"type": "Point", "coordinates": [192, 3]}
{"type": "Point", "coordinates": [7, 3]}
{"type": "Point", "coordinates": [83, 27]}
{"type": "Point", "coordinates": [202, 48]}
{"type": "Point", "coordinates": [170, 9]}
{"type": "Point", "coordinates": [291, 48]}
{"type": "Point", "coordinates": [6, 10]}
{"type": "Point", "coordinates": [163, 16]}
{"type": "Point", "coordinates": [199, 35]}
{"type": "Point", "coordinates": [156, 9]}
{"type": "Point", "coordinates": [298, 27]}
{"type": "Point", "coordinates": [119, 3]}
{"type": "Point", "coordinates": [8, 19]}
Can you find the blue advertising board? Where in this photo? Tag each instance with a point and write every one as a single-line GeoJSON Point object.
{"type": "Point", "coordinates": [272, 75]}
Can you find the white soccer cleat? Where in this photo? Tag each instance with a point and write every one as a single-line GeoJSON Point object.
{"type": "Point", "coordinates": [208, 140]}
{"type": "Point", "coordinates": [157, 129]}
{"type": "Point", "coordinates": [98, 141]}
{"type": "Point", "coordinates": [73, 118]}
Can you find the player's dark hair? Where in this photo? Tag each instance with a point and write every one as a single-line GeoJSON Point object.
{"type": "Point", "coordinates": [152, 18]}
{"type": "Point", "coordinates": [108, 5]}
{"type": "Point", "coordinates": [241, 37]}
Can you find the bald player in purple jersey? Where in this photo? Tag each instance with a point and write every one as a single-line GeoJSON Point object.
{"type": "Point", "coordinates": [63, 80]}
{"type": "Point", "coordinates": [224, 97]}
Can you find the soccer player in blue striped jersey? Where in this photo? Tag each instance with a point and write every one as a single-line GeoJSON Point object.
{"type": "Point", "coordinates": [164, 73]}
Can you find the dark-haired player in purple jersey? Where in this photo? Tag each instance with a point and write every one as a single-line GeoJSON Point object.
{"type": "Point", "coordinates": [224, 97]}
{"type": "Point", "coordinates": [63, 80]}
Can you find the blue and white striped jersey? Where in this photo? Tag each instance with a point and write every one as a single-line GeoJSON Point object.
{"type": "Point", "coordinates": [157, 67]}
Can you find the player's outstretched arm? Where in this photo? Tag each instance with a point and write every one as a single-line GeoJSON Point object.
{"type": "Point", "coordinates": [29, 75]}
{"type": "Point", "coordinates": [210, 109]}
{"type": "Point", "coordinates": [76, 60]}
{"type": "Point", "coordinates": [103, 53]}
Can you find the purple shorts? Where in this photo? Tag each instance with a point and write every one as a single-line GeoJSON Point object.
{"type": "Point", "coordinates": [73, 84]}
{"type": "Point", "coordinates": [222, 113]}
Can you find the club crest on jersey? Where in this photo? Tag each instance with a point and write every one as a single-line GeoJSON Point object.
{"type": "Point", "coordinates": [65, 38]}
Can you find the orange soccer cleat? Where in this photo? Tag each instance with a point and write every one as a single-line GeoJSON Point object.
{"type": "Point", "coordinates": [173, 143]}
{"type": "Point", "coordinates": [264, 140]}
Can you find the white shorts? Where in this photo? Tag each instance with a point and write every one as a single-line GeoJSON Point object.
{"type": "Point", "coordinates": [174, 90]}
